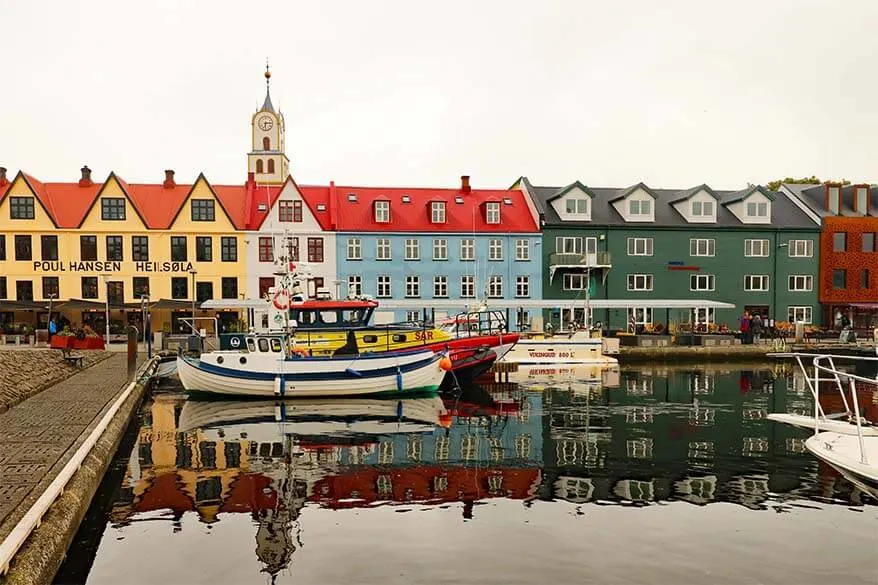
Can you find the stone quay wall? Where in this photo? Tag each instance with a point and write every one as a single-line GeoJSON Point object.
{"type": "Point", "coordinates": [25, 372]}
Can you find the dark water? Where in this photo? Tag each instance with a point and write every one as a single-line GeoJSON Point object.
{"type": "Point", "coordinates": [656, 476]}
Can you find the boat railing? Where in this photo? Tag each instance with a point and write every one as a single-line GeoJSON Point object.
{"type": "Point", "coordinates": [826, 370]}
{"type": "Point", "coordinates": [210, 343]}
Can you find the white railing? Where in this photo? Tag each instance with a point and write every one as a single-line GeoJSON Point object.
{"type": "Point", "coordinates": [32, 519]}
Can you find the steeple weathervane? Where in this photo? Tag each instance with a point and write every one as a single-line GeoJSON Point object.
{"type": "Point", "coordinates": [267, 107]}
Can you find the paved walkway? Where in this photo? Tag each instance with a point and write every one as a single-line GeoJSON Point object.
{"type": "Point", "coordinates": [38, 436]}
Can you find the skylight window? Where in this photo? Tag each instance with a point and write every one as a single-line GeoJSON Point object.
{"type": "Point", "coordinates": [507, 201]}
{"type": "Point", "coordinates": [406, 199]}
{"type": "Point", "coordinates": [321, 207]}
{"type": "Point", "coordinates": [352, 196]}
{"type": "Point", "coordinates": [263, 207]}
{"type": "Point", "coordinates": [458, 200]}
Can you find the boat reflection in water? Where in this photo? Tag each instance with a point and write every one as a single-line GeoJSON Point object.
{"type": "Point", "coordinates": [698, 435]}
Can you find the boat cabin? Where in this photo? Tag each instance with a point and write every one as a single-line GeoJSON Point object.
{"type": "Point", "coordinates": [475, 323]}
{"type": "Point", "coordinates": [316, 315]}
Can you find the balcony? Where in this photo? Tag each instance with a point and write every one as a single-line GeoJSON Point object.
{"type": "Point", "coordinates": [594, 260]}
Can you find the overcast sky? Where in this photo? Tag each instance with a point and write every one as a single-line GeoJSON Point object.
{"type": "Point", "coordinates": [403, 93]}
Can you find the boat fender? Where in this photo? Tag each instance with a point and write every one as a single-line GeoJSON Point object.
{"type": "Point", "coordinates": [399, 409]}
{"type": "Point", "coordinates": [399, 379]}
{"type": "Point", "coordinates": [354, 372]}
{"type": "Point", "coordinates": [281, 300]}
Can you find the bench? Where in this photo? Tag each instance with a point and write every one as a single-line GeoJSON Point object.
{"type": "Point", "coordinates": [71, 358]}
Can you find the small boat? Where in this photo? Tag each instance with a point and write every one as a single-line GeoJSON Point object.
{"type": "Point", "coordinates": [264, 420]}
{"type": "Point", "coordinates": [467, 365]}
{"type": "Point", "coordinates": [575, 347]}
{"type": "Point", "coordinates": [266, 366]}
{"type": "Point", "coordinates": [850, 447]}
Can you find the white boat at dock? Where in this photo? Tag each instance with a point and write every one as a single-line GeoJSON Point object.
{"type": "Point", "coordinates": [267, 367]}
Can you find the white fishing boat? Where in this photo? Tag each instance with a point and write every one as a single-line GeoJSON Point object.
{"type": "Point", "coordinates": [263, 420]}
{"type": "Point", "coordinates": [568, 348]}
{"type": "Point", "coordinates": [846, 446]}
{"type": "Point", "coordinates": [266, 366]}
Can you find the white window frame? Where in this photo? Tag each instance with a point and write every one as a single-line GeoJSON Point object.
{"type": "Point", "coordinates": [355, 285]}
{"type": "Point", "coordinates": [440, 287]}
{"type": "Point", "coordinates": [412, 249]}
{"type": "Point", "coordinates": [639, 316]}
{"type": "Point", "coordinates": [758, 209]}
{"type": "Point", "coordinates": [467, 286]}
{"type": "Point", "coordinates": [495, 250]}
{"type": "Point", "coordinates": [640, 246]}
{"type": "Point", "coordinates": [750, 248]}
{"type": "Point", "coordinates": [578, 209]}
{"type": "Point", "coordinates": [703, 315]}
{"type": "Point", "coordinates": [440, 249]}
{"type": "Point", "coordinates": [574, 281]}
{"type": "Point", "coordinates": [495, 287]}
{"type": "Point", "coordinates": [412, 316]}
{"type": "Point", "coordinates": [492, 212]}
{"type": "Point", "coordinates": [640, 282]}
{"type": "Point", "coordinates": [437, 212]}
{"type": "Point", "coordinates": [412, 287]}
{"type": "Point", "coordinates": [522, 250]}
{"type": "Point", "coordinates": [702, 247]}
{"type": "Point", "coordinates": [801, 248]}
{"type": "Point", "coordinates": [355, 249]}
{"type": "Point", "coordinates": [761, 280]}
{"type": "Point", "coordinates": [800, 283]}
{"type": "Point", "coordinates": [695, 281]}
{"type": "Point", "coordinates": [467, 249]}
{"type": "Point", "coordinates": [522, 287]}
{"type": "Point", "coordinates": [384, 282]}
{"type": "Point", "coordinates": [641, 204]}
{"type": "Point", "coordinates": [382, 211]}
{"type": "Point", "coordinates": [705, 209]}
{"type": "Point", "coordinates": [562, 241]}
{"type": "Point", "coordinates": [806, 313]}
{"type": "Point", "coordinates": [383, 245]}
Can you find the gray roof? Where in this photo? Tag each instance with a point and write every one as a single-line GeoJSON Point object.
{"type": "Point", "coordinates": [814, 197]}
{"type": "Point", "coordinates": [267, 106]}
{"type": "Point", "coordinates": [785, 213]}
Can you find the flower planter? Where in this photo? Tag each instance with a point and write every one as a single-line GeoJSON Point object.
{"type": "Point", "coordinates": [61, 342]}
{"type": "Point", "coordinates": [88, 343]}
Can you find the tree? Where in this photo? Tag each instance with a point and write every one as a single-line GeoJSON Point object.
{"type": "Point", "coordinates": [812, 180]}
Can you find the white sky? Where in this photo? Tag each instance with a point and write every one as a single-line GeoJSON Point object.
{"type": "Point", "coordinates": [403, 93]}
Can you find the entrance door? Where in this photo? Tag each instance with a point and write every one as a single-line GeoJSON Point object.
{"type": "Point", "coordinates": [638, 318]}
{"type": "Point", "coordinates": [591, 251]}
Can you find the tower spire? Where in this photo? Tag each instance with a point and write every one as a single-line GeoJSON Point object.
{"type": "Point", "coordinates": [267, 106]}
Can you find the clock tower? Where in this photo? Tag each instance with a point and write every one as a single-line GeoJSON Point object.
{"type": "Point", "coordinates": [266, 158]}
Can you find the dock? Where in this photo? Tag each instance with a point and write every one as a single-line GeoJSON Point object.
{"type": "Point", "coordinates": [55, 447]}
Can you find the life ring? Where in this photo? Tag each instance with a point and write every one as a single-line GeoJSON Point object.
{"type": "Point", "coordinates": [281, 300]}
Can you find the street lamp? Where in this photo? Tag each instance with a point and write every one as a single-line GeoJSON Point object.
{"type": "Point", "coordinates": [107, 306]}
{"type": "Point", "coordinates": [193, 272]}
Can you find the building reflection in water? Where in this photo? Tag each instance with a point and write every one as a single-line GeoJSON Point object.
{"type": "Point", "coordinates": [697, 435]}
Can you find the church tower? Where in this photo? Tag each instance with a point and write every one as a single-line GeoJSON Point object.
{"type": "Point", "coordinates": [266, 158]}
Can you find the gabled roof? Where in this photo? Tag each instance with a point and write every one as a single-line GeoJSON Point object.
{"type": "Point", "coordinates": [156, 204]}
{"type": "Point", "coordinates": [39, 190]}
{"type": "Point", "coordinates": [736, 196]}
{"type": "Point", "coordinates": [684, 195]}
{"type": "Point", "coordinates": [626, 192]}
{"type": "Point", "coordinates": [570, 187]}
{"type": "Point", "coordinates": [315, 198]}
{"type": "Point", "coordinates": [465, 217]}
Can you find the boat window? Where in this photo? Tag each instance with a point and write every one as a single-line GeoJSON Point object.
{"type": "Point", "coordinates": [275, 344]}
{"type": "Point", "coordinates": [219, 359]}
{"type": "Point", "coordinates": [398, 337]}
{"type": "Point", "coordinates": [352, 317]}
{"type": "Point", "coordinates": [263, 344]}
{"type": "Point", "coordinates": [328, 317]}
{"type": "Point", "coordinates": [303, 318]}
{"type": "Point", "coordinates": [370, 339]}
{"type": "Point", "coordinates": [251, 345]}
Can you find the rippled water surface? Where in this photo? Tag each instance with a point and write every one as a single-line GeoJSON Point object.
{"type": "Point", "coordinates": [644, 476]}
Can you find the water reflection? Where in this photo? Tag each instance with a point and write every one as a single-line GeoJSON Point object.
{"type": "Point", "coordinates": [696, 435]}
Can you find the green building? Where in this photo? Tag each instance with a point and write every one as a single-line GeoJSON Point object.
{"type": "Point", "coordinates": [754, 248]}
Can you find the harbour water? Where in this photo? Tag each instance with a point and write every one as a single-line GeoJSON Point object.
{"type": "Point", "coordinates": [651, 475]}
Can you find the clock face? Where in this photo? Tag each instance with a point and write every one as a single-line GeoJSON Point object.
{"type": "Point", "coordinates": [265, 123]}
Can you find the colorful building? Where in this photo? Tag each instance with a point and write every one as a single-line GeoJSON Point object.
{"type": "Point", "coordinates": [848, 278]}
{"type": "Point", "coordinates": [753, 248]}
{"type": "Point", "coordinates": [460, 244]}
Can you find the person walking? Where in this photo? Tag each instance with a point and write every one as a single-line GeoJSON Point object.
{"type": "Point", "coordinates": [756, 327]}
{"type": "Point", "coordinates": [745, 328]}
{"type": "Point", "coordinates": [53, 328]}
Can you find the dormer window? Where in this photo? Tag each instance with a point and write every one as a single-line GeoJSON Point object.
{"type": "Point", "coordinates": [861, 200]}
{"type": "Point", "coordinates": [640, 207]}
{"type": "Point", "coordinates": [492, 212]}
{"type": "Point", "coordinates": [382, 212]}
{"type": "Point", "coordinates": [834, 200]}
{"type": "Point", "coordinates": [437, 212]}
{"type": "Point", "coordinates": [21, 207]}
{"type": "Point", "coordinates": [757, 209]}
{"type": "Point", "coordinates": [576, 206]}
{"type": "Point", "coordinates": [702, 209]}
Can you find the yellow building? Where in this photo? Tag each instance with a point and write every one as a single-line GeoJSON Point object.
{"type": "Point", "coordinates": [82, 243]}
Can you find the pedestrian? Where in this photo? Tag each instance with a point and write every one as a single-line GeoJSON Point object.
{"type": "Point", "coordinates": [756, 327]}
{"type": "Point", "coordinates": [745, 328]}
{"type": "Point", "coordinates": [53, 328]}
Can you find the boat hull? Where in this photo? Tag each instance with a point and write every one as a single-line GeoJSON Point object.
{"type": "Point", "coordinates": [559, 351]}
{"type": "Point", "coordinates": [836, 426]}
{"type": "Point", "coordinates": [315, 377]}
{"type": "Point", "coordinates": [467, 365]}
{"type": "Point", "coordinates": [842, 451]}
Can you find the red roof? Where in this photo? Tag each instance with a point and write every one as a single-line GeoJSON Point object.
{"type": "Point", "coordinates": [357, 213]}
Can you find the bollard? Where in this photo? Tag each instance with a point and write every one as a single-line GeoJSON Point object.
{"type": "Point", "coordinates": [800, 331]}
{"type": "Point", "coordinates": [132, 352]}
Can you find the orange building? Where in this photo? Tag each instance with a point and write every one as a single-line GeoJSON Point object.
{"type": "Point", "coordinates": [848, 275]}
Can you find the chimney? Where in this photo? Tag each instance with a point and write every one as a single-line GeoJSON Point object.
{"type": "Point", "coordinates": [169, 180]}
{"type": "Point", "coordinates": [464, 184]}
{"type": "Point", "coordinates": [85, 181]}
{"type": "Point", "coordinates": [3, 179]}
{"type": "Point", "coordinates": [251, 178]}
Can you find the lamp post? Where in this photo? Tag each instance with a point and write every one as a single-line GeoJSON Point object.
{"type": "Point", "coordinates": [107, 307]}
{"type": "Point", "coordinates": [193, 272]}
{"type": "Point", "coordinates": [776, 279]}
